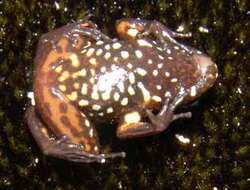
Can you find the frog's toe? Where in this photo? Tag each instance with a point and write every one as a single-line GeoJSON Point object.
{"type": "Point", "coordinates": [85, 157]}
{"type": "Point", "coordinates": [182, 115]}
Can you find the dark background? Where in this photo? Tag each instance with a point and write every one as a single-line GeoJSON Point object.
{"type": "Point", "coordinates": [217, 156]}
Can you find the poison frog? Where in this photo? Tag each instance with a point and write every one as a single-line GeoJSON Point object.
{"type": "Point", "coordinates": [83, 78]}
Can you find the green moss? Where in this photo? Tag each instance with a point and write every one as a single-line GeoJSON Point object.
{"type": "Point", "coordinates": [228, 70]}
{"type": "Point", "coordinates": [243, 151]}
{"type": "Point", "coordinates": [218, 153]}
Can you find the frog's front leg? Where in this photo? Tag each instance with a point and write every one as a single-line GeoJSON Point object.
{"type": "Point", "coordinates": [131, 126]}
{"type": "Point", "coordinates": [136, 28]}
{"type": "Point", "coordinates": [166, 114]}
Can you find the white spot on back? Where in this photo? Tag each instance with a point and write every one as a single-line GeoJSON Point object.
{"type": "Point", "coordinates": [141, 71]}
{"type": "Point", "coordinates": [155, 72]}
{"type": "Point", "coordinates": [90, 52]}
{"type": "Point", "coordinates": [84, 89]}
{"type": "Point", "coordinates": [82, 72]}
{"type": "Point", "coordinates": [107, 55]}
{"type": "Point", "coordinates": [167, 94]}
{"type": "Point", "coordinates": [107, 47]}
{"type": "Point", "coordinates": [116, 96]}
{"type": "Point", "coordinates": [99, 42]}
{"type": "Point", "coordinates": [124, 54]}
{"type": "Point", "coordinates": [150, 61]}
{"type": "Point", "coordinates": [121, 87]}
{"type": "Point", "coordinates": [110, 110]}
{"type": "Point", "coordinates": [124, 101]}
{"type": "Point", "coordinates": [74, 60]}
{"type": "Point", "coordinates": [92, 72]}
{"type": "Point", "coordinates": [99, 52]}
{"type": "Point", "coordinates": [106, 95]}
{"type": "Point", "coordinates": [92, 80]}
{"type": "Point", "coordinates": [131, 78]}
{"type": "Point", "coordinates": [143, 42]}
{"type": "Point", "coordinates": [156, 98]}
{"type": "Point", "coordinates": [116, 45]}
{"type": "Point", "coordinates": [158, 87]}
{"type": "Point", "coordinates": [131, 91]}
{"type": "Point", "coordinates": [92, 61]}
{"type": "Point", "coordinates": [174, 80]}
{"type": "Point", "coordinates": [96, 107]}
{"type": "Point", "coordinates": [160, 57]}
{"type": "Point", "coordinates": [129, 65]}
{"type": "Point", "coordinates": [167, 74]}
{"type": "Point", "coordinates": [83, 103]}
{"type": "Point", "coordinates": [94, 94]}
{"type": "Point", "coordinates": [138, 54]}
{"type": "Point", "coordinates": [87, 123]}
{"type": "Point", "coordinates": [145, 92]}
{"type": "Point", "coordinates": [160, 65]}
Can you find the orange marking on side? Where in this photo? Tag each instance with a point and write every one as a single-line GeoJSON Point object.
{"type": "Point", "coordinates": [43, 92]}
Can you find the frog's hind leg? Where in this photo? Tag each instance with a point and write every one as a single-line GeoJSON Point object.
{"type": "Point", "coordinates": [52, 146]}
{"type": "Point", "coordinates": [164, 34]}
{"type": "Point", "coordinates": [65, 140]}
{"type": "Point", "coordinates": [136, 28]}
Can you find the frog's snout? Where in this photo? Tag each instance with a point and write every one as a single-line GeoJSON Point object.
{"type": "Point", "coordinates": [206, 67]}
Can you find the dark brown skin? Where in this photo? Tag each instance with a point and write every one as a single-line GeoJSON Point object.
{"type": "Point", "coordinates": [82, 78]}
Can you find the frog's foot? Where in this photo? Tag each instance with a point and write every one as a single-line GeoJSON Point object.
{"type": "Point", "coordinates": [182, 115]}
{"type": "Point", "coordinates": [62, 147]}
{"type": "Point", "coordinates": [79, 34]}
{"type": "Point", "coordinates": [92, 33]}
{"type": "Point", "coordinates": [90, 29]}
{"type": "Point", "coordinates": [166, 114]}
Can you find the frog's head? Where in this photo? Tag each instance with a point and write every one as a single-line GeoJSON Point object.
{"type": "Point", "coordinates": [207, 72]}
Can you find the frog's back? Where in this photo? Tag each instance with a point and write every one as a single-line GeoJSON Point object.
{"type": "Point", "coordinates": [110, 79]}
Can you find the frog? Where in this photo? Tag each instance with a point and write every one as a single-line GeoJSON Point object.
{"type": "Point", "coordinates": [83, 79]}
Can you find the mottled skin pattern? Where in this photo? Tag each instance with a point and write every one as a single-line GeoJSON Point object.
{"type": "Point", "coordinates": [83, 78]}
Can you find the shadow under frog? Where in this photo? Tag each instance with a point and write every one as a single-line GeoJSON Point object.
{"type": "Point", "coordinates": [83, 78]}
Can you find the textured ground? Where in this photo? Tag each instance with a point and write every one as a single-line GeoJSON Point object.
{"type": "Point", "coordinates": [217, 153]}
